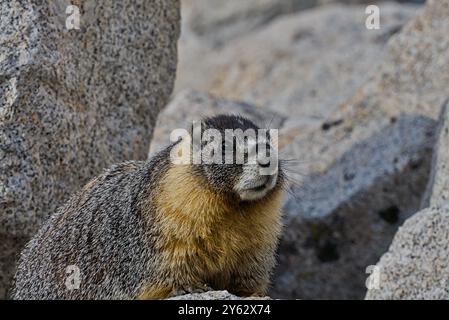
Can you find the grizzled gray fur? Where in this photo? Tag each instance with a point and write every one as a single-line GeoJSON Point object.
{"type": "Point", "coordinates": [101, 231]}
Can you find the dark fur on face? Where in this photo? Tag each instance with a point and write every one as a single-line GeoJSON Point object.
{"type": "Point", "coordinates": [224, 177]}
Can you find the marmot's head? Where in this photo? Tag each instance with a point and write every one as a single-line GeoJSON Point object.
{"type": "Point", "coordinates": [238, 158]}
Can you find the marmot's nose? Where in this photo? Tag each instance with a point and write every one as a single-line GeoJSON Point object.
{"type": "Point", "coordinates": [266, 149]}
{"type": "Point", "coordinates": [264, 164]}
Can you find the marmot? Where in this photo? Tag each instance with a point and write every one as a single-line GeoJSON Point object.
{"type": "Point", "coordinates": [151, 230]}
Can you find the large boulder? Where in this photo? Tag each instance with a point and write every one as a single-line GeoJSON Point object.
{"type": "Point", "coordinates": [218, 21]}
{"type": "Point", "coordinates": [305, 63]}
{"type": "Point", "coordinates": [340, 220]}
{"type": "Point", "coordinates": [416, 265]}
{"type": "Point", "coordinates": [409, 86]}
{"type": "Point", "coordinates": [73, 102]}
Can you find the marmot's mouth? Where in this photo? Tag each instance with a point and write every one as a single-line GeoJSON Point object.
{"type": "Point", "coordinates": [259, 188]}
{"type": "Point", "coordinates": [259, 185]}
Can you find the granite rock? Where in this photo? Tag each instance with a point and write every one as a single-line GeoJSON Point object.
{"type": "Point", "coordinates": [218, 21]}
{"type": "Point", "coordinates": [437, 192]}
{"type": "Point", "coordinates": [73, 102]}
{"type": "Point", "coordinates": [214, 295]}
{"type": "Point", "coordinates": [416, 265]}
{"type": "Point", "coordinates": [340, 219]}
{"type": "Point", "coordinates": [408, 86]}
{"type": "Point", "coordinates": [306, 63]}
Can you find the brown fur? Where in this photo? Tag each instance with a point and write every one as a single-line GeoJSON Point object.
{"type": "Point", "coordinates": [209, 237]}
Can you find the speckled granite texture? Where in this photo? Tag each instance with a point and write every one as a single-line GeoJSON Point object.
{"type": "Point", "coordinates": [74, 102]}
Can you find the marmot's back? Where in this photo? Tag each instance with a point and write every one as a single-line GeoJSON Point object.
{"type": "Point", "coordinates": [100, 232]}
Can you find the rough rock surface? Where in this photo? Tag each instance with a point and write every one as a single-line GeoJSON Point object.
{"type": "Point", "coordinates": [416, 265]}
{"type": "Point", "coordinates": [305, 63]}
{"type": "Point", "coordinates": [341, 220]}
{"type": "Point", "coordinates": [73, 102]}
{"type": "Point", "coordinates": [438, 186]}
{"type": "Point", "coordinates": [408, 86]}
{"type": "Point", "coordinates": [214, 295]}
{"type": "Point", "coordinates": [218, 21]}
